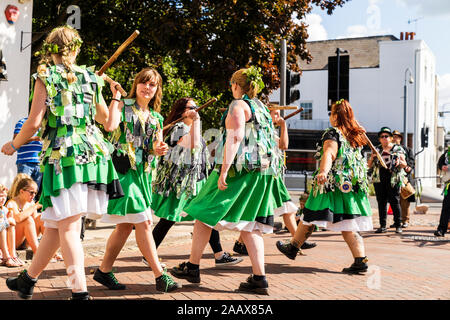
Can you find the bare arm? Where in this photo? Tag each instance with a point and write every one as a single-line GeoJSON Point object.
{"type": "Point", "coordinates": [21, 216]}
{"type": "Point", "coordinates": [109, 118]}
{"type": "Point", "coordinates": [330, 148]}
{"type": "Point", "coordinates": [32, 124]}
{"type": "Point", "coordinates": [283, 144]}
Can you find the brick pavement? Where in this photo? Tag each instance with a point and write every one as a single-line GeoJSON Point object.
{"type": "Point", "coordinates": [410, 266]}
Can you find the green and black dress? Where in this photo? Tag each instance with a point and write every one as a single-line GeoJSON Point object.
{"type": "Point", "coordinates": [341, 204]}
{"type": "Point", "coordinates": [247, 204]}
{"type": "Point", "coordinates": [135, 163]}
{"type": "Point", "coordinates": [181, 174]}
{"type": "Point", "coordinates": [78, 174]}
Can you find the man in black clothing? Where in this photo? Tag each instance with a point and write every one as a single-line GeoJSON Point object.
{"type": "Point", "coordinates": [443, 164]}
{"type": "Point", "coordinates": [387, 181]}
{"type": "Point", "coordinates": [405, 203]}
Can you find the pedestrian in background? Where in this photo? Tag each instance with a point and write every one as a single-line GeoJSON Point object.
{"type": "Point", "coordinates": [387, 182]}
{"type": "Point", "coordinates": [410, 161]}
{"type": "Point", "coordinates": [443, 164]}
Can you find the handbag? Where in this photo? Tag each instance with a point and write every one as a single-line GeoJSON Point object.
{"type": "Point", "coordinates": [407, 190]}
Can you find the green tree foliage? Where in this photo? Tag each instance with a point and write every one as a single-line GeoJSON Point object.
{"type": "Point", "coordinates": [206, 40]}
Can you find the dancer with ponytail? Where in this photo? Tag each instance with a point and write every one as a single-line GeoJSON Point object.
{"type": "Point", "coordinates": [238, 193]}
{"type": "Point", "coordinates": [338, 201]}
{"type": "Point", "coordinates": [78, 174]}
{"type": "Point", "coordinates": [181, 174]}
{"type": "Point", "coordinates": [136, 133]}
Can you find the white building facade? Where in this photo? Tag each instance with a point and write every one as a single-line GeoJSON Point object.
{"type": "Point", "coordinates": [14, 93]}
{"type": "Point", "coordinates": [377, 73]}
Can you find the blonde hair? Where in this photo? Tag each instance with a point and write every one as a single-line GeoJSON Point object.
{"type": "Point", "coordinates": [67, 41]}
{"type": "Point", "coordinates": [149, 74]}
{"type": "Point", "coordinates": [250, 88]}
{"type": "Point", "coordinates": [22, 180]}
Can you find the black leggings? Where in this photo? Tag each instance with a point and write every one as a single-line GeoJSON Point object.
{"type": "Point", "coordinates": [163, 226]}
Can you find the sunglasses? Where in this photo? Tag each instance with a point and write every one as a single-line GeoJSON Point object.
{"type": "Point", "coordinates": [31, 192]}
{"type": "Point", "coordinates": [384, 136]}
{"type": "Point", "coordinates": [192, 107]}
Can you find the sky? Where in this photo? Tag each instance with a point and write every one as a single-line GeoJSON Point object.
{"type": "Point", "coordinates": [429, 19]}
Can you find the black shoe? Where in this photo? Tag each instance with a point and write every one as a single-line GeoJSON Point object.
{"type": "Point", "coordinates": [240, 248]}
{"type": "Point", "coordinates": [439, 233]}
{"type": "Point", "coordinates": [165, 283]}
{"type": "Point", "coordinates": [287, 249]}
{"type": "Point", "coordinates": [392, 226]}
{"type": "Point", "coordinates": [23, 284]}
{"type": "Point", "coordinates": [254, 286]}
{"type": "Point", "coordinates": [227, 260]}
{"type": "Point", "coordinates": [308, 245]}
{"type": "Point", "coordinates": [80, 296]}
{"type": "Point", "coordinates": [398, 230]}
{"type": "Point", "coordinates": [182, 272]}
{"type": "Point", "coordinates": [360, 265]}
{"type": "Point", "coordinates": [405, 225]}
{"type": "Point", "coordinates": [381, 230]}
{"type": "Point", "coordinates": [108, 280]}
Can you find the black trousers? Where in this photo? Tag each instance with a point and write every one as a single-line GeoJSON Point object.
{"type": "Point", "coordinates": [386, 194]}
{"type": "Point", "coordinates": [445, 214]}
{"type": "Point", "coordinates": [163, 226]}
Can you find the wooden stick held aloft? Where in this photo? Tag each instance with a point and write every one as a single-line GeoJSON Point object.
{"type": "Point", "coordinates": [293, 113]}
{"type": "Point", "coordinates": [118, 52]}
{"type": "Point", "coordinates": [374, 150]}
{"type": "Point", "coordinates": [118, 86]}
{"type": "Point", "coordinates": [207, 104]}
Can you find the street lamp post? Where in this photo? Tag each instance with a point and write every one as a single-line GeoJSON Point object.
{"type": "Point", "coordinates": [405, 105]}
{"type": "Point", "coordinates": [338, 52]}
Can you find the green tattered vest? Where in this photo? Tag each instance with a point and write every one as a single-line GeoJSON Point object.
{"type": "Point", "coordinates": [135, 138]}
{"type": "Point", "coordinates": [70, 136]}
{"type": "Point", "coordinates": [348, 172]}
{"type": "Point", "coordinates": [258, 150]}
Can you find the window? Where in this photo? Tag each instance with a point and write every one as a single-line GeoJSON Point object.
{"type": "Point", "coordinates": [306, 114]}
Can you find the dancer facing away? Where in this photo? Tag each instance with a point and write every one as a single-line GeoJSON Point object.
{"type": "Point", "coordinates": [137, 138]}
{"type": "Point", "coordinates": [283, 204]}
{"type": "Point", "coordinates": [78, 174]}
{"type": "Point", "coordinates": [181, 174]}
{"type": "Point", "coordinates": [238, 193]}
{"type": "Point", "coordinates": [338, 201]}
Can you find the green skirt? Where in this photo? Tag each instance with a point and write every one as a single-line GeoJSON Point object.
{"type": "Point", "coordinates": [282, 199]}
{"type": "Point", "coordinates": [246, 205]}
{"type": "Point", "coordinates": [137, 188]}
{"type": "Point", "coordinates": [170, 207]}
{"type": "Point", "coordinates": [98, 176]}
{"type": "Point", "coordinates": [345, 211]}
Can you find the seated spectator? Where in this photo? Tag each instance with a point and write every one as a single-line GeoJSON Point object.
{"type": "Point", "coordinates": [6, 228]}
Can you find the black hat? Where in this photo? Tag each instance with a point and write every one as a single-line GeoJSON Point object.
{"type": "Point", "coordinates": [385, 130]}
{"type": "Point", "coordinates": [397, 133]}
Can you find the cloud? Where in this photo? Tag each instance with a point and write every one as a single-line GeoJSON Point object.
{"type": "Point", "coordinates": [430, 8]}
{"type": "Point", "coordinates": [316, 30]}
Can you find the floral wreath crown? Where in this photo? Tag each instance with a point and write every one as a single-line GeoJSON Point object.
{"type": "Point", "coordinates": [254, 76]}
{"type": "Point", "coordinates": [49, 48]}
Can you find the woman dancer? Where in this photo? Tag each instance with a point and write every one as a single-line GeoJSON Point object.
{"type": "Point", "coordinates": [238, 194]}
{"type": "Point", "coordinates": [137, 138]}
{"type": "Point", "coordinates": [181, 174]}
{"type": "Point", "coordinates": [78, 174]}
{"type": "Point", "coordinates": [338, 201]}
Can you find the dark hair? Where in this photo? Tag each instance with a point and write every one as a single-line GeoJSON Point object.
{"type": "Point", "coordinates": [176, 112]}
{"type": "Point", "coordinates": [346, 122]}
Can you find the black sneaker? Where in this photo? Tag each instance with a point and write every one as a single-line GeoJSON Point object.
{"type": "Point", "coordinates": [227, 260]}
{"type": "Point", "coordinates": [108, 280]}
{"type": "Point", "coordinates": [392, 225]}
{"type": "Point", "coordinates": [381, 230]}
{"type": "Point", "coordinates": [398, 230]}
{"type": "Point", "coordinates": [359, 266]}
{"type": "Point", "coordinates": [240, 248]}
{"type": "Point", "coordinates": [182, 272]}
{"type": "Point", "coordinates": [23, 284]}
{"type": "Point", "coordinates": [80, 296]}
{"type": "Point", "coordinates": [165, 283]}
{"type": "Point", "coordinates": [405, 225]}
{"type": "Point", "coordinates": [439, 233]}
{"type": "Point", "coordinates": [287, 249]}
{"type": "Point", "coordinates": [308, 245]}
{"type": "Point", "coordinates": [254, 286]}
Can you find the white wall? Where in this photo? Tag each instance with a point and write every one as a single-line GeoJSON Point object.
{"type": "Point", "coordinates": [14, 93]}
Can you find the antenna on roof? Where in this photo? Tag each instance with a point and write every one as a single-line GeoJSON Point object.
{"type": "Point", "coordinates": [415, 22]}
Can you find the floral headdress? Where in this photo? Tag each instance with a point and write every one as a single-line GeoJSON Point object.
{"type": "Point", "coordinates": [49, 48]}
{"type": "Point", "coordinates": [254, 75]}
{"type": "Point", "coordinates": [340, 101]}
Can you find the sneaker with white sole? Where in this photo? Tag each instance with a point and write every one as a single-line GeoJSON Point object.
{"type": "Point", "coordinates": [227, 260]}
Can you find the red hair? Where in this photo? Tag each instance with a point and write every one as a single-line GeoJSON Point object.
{"type": "Point", "coordinates": [346, 122]}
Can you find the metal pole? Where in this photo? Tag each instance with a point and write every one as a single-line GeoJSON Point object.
{"type": "Point", "coordinates": [283, 75]}
{"type": "Point", "coordinates": [405, 115]}
{"type": "Point", "coordinates": [338, 70]}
